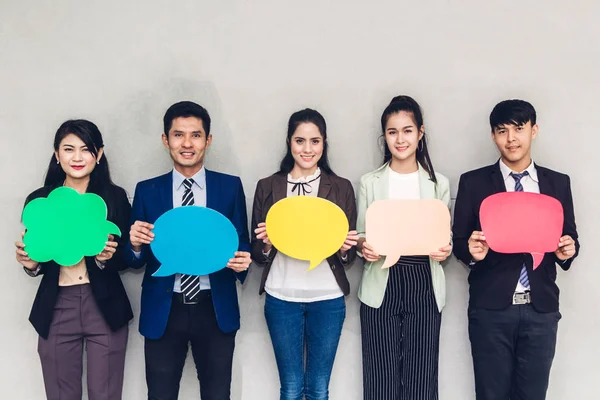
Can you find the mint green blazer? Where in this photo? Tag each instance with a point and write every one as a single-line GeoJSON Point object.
{"type": "Point", "coordinates": [374, 186]}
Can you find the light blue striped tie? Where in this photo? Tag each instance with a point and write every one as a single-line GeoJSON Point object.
{"type": "Point", "coordinates": [523, 278]}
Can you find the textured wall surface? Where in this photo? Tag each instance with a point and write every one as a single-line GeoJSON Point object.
{"type": "Point", "coordinates": [253, 63]}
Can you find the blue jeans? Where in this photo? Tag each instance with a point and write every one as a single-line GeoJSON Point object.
{"type": "Point", "coordinates": [291, 326]}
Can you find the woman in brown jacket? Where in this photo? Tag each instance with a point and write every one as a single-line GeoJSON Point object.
{"type": "Point", "coordinates": [305, 310]}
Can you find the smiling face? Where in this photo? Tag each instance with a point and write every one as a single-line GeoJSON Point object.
{"type": "Point", "coordinates": [306, 145]}
{"type": "Point", "coordinates": [402, 137]}
{"type": "Point", "coordinates": [187, 143]}
{"type": "Point", "coordinates": [514, 144]}
{"type": "Point", "coordinates": [75, 158]}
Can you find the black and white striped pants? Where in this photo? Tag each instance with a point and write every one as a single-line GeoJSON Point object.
{"type": "Point", "coordinates": [400, 340]}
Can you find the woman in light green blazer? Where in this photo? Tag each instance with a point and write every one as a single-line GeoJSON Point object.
{"type": "Point", "coordinates": [401, 306]}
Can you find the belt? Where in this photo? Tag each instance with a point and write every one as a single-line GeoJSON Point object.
{"type": "Point", "coordinates": [180, 298]}
{"type": "Point", "coordinates": [521, 298]}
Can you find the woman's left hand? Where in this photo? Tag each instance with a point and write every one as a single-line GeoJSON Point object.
{"type": "Point", "coordinates": [351, 241]}
{"type": "Point", "coordinates": [109, 250]}
{"type": "Point", "coordinates": [240, 262]}
{"type": "Point", "coordinates": [441, 254]}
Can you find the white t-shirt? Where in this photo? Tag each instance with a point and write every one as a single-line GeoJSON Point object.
{"type": "Point", "coordinates": [403, 186]}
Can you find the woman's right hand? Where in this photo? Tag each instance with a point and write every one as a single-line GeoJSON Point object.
{"type": "Point", "coordinates": [261, 234]}
{"type": "Point", "coordinates": [368, 252]}
{"type": "Point", "coordinates": [23, 257]}
{"type": "Point", "coordinates": [139, 234]}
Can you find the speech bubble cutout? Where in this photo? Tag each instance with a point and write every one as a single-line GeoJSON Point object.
{"type": "Point", "coordinates": [66, 226]}
{"type": "Point", "coordinates": [193, 240]}
{"type": "Point", "coordinates": [407, 227]}
{"type": "Point", "coordinates": [307, 228]}
{"type": "Point", "coordinates": [522, 222]}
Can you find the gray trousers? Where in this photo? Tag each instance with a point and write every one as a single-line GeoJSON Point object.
{"type": "Point", "coordinates": [78, 321]}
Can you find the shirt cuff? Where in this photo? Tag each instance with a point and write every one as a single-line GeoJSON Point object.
{"type": "Point", "coordinates": [100, 264]}
{"type": "Point", "coordinates": [344, 258]}
{"type": "Point", "coordinates": [33, 273]}
{"type": "Point", "coordinates": [137, 254]}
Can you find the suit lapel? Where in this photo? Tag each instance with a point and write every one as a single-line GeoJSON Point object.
{"type": "Point", "coordinates": [324, 186]}
{"type": "Point", "coordinates": [212, 190]}
{"type": "Point", "coordinates": [496, 177]}
{"type": "Point", "coordinates": [279, 187]}
{"type": "Point", "coordinates": [381, 184]}
{"type": "Point", "coordinates": [426, 185]}
{"type": "Point", "coordinates": [543, 181]}
{"type": "Point", "coordinates": [166, 192]}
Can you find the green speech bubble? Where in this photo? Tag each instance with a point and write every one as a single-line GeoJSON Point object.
{"type": "Point", "coordinates": [66, 226]}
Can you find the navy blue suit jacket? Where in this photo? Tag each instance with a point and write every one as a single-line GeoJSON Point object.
{"type": "Point", "coordinates": [154, 197]}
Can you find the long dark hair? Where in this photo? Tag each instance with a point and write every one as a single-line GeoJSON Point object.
{"type": "Point", "coordinates": [299, 117]}
{"type": "Point", "coordinates": [100, 181]}
{"type": "Point", "coordinates": [409, 105]}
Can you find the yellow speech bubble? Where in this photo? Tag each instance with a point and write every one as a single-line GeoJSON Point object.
{"type": "Point", "coordinates": [407, 227]}
{"type": "Point", "coordinates": [307, 228]}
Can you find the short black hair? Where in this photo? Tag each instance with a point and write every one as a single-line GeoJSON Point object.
{"type": "Point", "coordinates": [186, 109]}
{"type": "Point", "coordinates": [513, 112]}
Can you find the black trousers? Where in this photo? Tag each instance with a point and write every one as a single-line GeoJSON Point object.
{"type": "Point", "coordinates": [212, 351]}
{"type": "Point", "coordinates": [401, 339]}
{"type": "Point", "coordinates": [512, 351]}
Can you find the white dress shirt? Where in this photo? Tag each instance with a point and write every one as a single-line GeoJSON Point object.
{"type": "Point", "coordinates": [530, 184]}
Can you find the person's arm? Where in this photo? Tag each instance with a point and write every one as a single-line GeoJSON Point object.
{"type": "Point", "coordinates": [444, 195]}
{"type": "Point", "coordinates": [569, 226]}
{"type": "Point", "coordinates": [465, 222]}
{"type": "Point", "coordinates": [135, 259]}
{"type": "Point", "coordinates": [240, 221]}
{"type": "Point", "coordinates": [122, 216]}
{"type": "Point", "coordinates": [361, 207]}
{"type": "Point", "coordinates": [259, 255]}
{"type": "Point", "coordinates": [349, 206]}
{"type": "Point", "coordinates": [30, 267]}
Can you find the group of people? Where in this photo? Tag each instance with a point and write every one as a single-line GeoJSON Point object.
{"type": "Point", "coordinates": [513, 310]}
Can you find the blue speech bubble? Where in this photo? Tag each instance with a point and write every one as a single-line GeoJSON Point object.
{"type": "Point", "coordinates": [193, 240]}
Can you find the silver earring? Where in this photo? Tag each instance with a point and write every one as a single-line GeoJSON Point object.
{"type": "Point", "coordinates": [97, 162]}
{"type": "Point", "coordinates": [57, 162]}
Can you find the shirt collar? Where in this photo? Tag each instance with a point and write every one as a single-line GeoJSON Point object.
{"type": "Point", "coordinates": [506, 171]}
{"type": "Point", "coordinates": [304, 178]}
{"type": "Point", "coordinates": [199, 178]}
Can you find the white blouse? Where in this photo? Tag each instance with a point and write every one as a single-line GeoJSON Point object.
{"type": "Point", "coordinates": [289, 278]}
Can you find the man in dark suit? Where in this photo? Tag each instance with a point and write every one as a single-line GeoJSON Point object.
{"type": "Point", "coordinates": [513, 310]}
{"type": "Point", "coordinates": [181, 309]}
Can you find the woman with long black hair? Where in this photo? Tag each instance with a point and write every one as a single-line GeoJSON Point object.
{"type": "Point", "coordinates": [401, 306]}
{"type": "Point", "coordinates": [85, 303]}
{"type": "Point", "coordinates": [305, 310]}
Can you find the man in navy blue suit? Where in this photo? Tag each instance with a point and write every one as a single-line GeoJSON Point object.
{"type": "Point", "coordinates": [182, 309]}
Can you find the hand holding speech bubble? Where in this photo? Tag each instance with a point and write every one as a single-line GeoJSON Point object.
{"type": "Point", "coordinates": [307, 228]}
{"type": "Point", "coordinates": [66, 226]}
{"type": "Point", "coordinates": [522, 222]}
{"type": "Point", "coordinates": [193, 240]}
{"type": "Point", "coordinates": [407, 227]}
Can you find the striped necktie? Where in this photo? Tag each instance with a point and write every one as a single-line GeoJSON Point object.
{"type": "Point", "coordinates": [523, 278]}
{"type": "Point", "coordinates": [190, 284]}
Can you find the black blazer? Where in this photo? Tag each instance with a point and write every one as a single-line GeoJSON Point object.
{"type": "Point", "coordinates": [492, 281]}
{"type": "Point", "coordinates": [106, 284]}
{"type": "Point", "coordinates": [274, 188]}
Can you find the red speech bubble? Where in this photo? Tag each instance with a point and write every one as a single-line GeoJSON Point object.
{"type": "Point", "coordinates": [522, 222]}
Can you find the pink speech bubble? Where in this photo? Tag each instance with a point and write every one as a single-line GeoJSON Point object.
{"type": "Point", "coordinates": [407, 227]}
{"type": "Point", "coordinates": [521, 222]}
